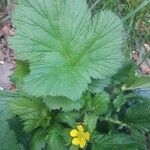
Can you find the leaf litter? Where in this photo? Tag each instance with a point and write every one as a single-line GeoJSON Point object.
{"type": "Point", "coordinates": [7, 59]}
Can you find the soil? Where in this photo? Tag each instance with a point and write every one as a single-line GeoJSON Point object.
{"type": "Point", "coordinates": [7, 59]}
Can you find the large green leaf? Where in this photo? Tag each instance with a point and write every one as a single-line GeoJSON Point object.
{"type": "Point", "coordinates": [113, 142]}
{"type": "Point", "coordinates": [7, 138]}
{"type": "Point", "coordinates": [65, 46]}
{"type": "Point", "coordinates": [138, 116]}
{"type": "Point", "coordinates": [32, 111]}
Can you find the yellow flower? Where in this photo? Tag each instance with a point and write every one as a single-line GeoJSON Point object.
{"type": "Point", "coordinates": [79, 136]}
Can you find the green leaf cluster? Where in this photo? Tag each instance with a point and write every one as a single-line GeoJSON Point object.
{"type": "Point", "coordinates": [67, 75]}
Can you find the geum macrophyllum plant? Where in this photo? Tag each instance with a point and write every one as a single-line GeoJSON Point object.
{"type": "Point", "coordinates": [70, 93]}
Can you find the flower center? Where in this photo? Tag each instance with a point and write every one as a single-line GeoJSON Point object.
{"type": "Point", "coordinates": [81, 135]}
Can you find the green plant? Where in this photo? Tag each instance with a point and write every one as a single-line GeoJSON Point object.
{"type": "Point", "coordinates": [74, 87]}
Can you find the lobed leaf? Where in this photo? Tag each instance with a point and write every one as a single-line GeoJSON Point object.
{"type": "Point", "coordinates": [65, 46]}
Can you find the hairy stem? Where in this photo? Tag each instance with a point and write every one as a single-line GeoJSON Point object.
{"type": "Point", "coordinates": [115, 121]}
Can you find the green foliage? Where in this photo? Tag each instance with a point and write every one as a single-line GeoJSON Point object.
{"type": "Point", "coordinates": [90, 121]}
{"type": "Point", "coordinates": [23, 138]}
{"type": "Point", "coordinates": [69, 118]}
{"type": "Point", "coordinates": [140, 139]}
{"type": "Point", "coordinates": [68, 74]}
{"type": "Point", "coordinates": [113, 142]}
{"type": "Point", "coordinates": [142, 82]}
{"type": "Point", "coordinates": [7, 138]}
{"type": "Point", "coordinates": [98, 85]}
{"type": "Point", "coordinates": [21, 70]}
{"type": "Point", "coordinates": [48, 140]}
{"type": "Point", "coordinates": [63, 103]}
{"type": "Point", "coordinates": [32, 111]}
{"type": "Point", "coordinates": [55, 140]}
{"type": "Point", "coordinates": [71, 47]}
{"type": "Point", "coordinates": [119, 101]}
{"type": "Point", "coordinates": [38, 140]}
{"type": "Point", "coordinates": [5, 99]}
{"type": "Point", "coordinates": [138, 115]}
{"type": "Point", "coordinates": [72, 147]}
{"type": "Point", "coordinates": [99, 104]}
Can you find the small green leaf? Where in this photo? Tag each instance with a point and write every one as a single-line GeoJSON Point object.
{"type": "Point", "coordinates": [98, 85]}
{"type": "Point", "coordinates": [55, 140]}
{"type": "Point", "coordinates": [7, 138]}
{"type": "Point", "coordinates": [69, 118]}
{"type": "Point", "coordinates": [32, 111]}
{"type": "Point", "coordinates": [126, 75]}
{"type": "Point", "coordinates": [90, 120]}
{"type": "Point", "coordinates": [66, 136]}
{"type": "Point", "coordinates": [63, 103]}
{"type": "Point", "coordinates": [138, 115]}
{"type": "Point", "coordinates": [113, 142]}
{"type": "Point", "coordinates": [119, 101]}
{"type": "Point", "coordinates": [98, 104]}
{"type": "Point", "coordinates": [38, 140]}
{"type": "Point", "coordinates": [21, 70]}
{"type": "Point", "coordinates": [5, 98]}
{"type": "Point", "coordinates": [143, 82]}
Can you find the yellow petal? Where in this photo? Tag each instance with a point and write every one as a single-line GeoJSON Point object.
{"type": "Point", "coordinates": [87, 136]}
{"type": "Point", "coordinates": [74, 133]}
{"type": "Point", "coordinates": [80, 128]}
{"type": "Point", "coordinates": [82, 143]}
{"type": "Point", "coordinates": [76, 141]}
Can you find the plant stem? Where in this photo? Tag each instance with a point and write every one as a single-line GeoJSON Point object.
{"type": "Point", "coordinates": [115, 121]}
